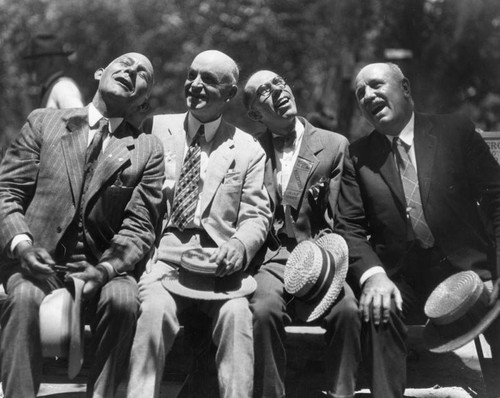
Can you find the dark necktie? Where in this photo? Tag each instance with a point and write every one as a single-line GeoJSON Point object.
{"type": "Point", "coordinates": [411, 189]}
{"type": "Point", "coordinates": [283, 142]}
{"type": "Point", "coordinates": [92, 154]}
{"type": "Point", "coordinates": [187, 190]}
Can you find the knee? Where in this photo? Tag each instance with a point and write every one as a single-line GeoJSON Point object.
{"type": "Point", "coordinates": [268, 310]}
{"type": "Point", "coordinates": [237, 308]}
{"type": "Point", "coordinates": [123, 307]}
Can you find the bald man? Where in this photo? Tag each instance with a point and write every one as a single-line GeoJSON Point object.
{"type": "Point", "coordinates": [50, 221]}
{"type": "Point", "coordinates": [231, 215]}
{"type": "Point", "coordinates": [414, 243]}
{"type": "Point", "coordinates": [303, 179]}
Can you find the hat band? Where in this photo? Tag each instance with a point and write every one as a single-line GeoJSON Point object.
{"type": "Point", "coordinates": [320, 288]}
{"type": "Point", "coordinates": [465, 323]}
{"type": "Point", "coordinates": [210, 283]}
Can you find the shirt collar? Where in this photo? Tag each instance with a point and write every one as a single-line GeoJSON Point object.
{"type": "Point", "coordinates": [95, 116]}
{"type": "Point", "coordinates": [407, 133]}
{"type": "Point", "coordinates": [210, 127]}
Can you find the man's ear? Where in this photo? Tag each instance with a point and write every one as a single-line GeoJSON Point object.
{"type": "Point", "coordinates": [144, 107]}
{"type": "Point", "coordinates": [254, 115]}
{"type": "Point", "coordinates": [232, 92]}
{"type": "Point", "coordinates": [406, 87]}
{"type": "Point", "coordinates": [98, 73]}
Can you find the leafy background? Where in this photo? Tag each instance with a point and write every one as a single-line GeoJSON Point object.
{"type": "Point", "coordinates": [318, 45]}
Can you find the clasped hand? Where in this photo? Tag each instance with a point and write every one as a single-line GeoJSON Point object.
{"type": "Point", "coordinates": [38, 263]}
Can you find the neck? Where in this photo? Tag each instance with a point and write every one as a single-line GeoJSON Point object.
{"type": "Point", "coordinates": [283, 129]}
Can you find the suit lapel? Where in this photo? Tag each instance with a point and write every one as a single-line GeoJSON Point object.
{"type": "Point", "coordinates": [425, 149]}
{"type": "Point", "coordinates": [383, 159]}
{"type": "Point", "coordinates": [74, 147]}
{"type": "Point", "coordinates": [219, 162]}
{"type": "Point", "coordinates": [116, 154]}
{"type": "Point", "coordinates": [304, 166]}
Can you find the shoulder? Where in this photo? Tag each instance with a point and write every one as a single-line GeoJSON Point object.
{"type": "Point", "coordinates": [159, 123]}
{"type": "Point", "coordinates": [242, 139]}
{"type": "Point", "coordinates": [328, 138]}
{"type": "Point", "coordinates": [447, 126]}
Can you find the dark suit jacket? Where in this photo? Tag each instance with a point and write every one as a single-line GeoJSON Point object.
{"type": "Point", "coordinates": [455, 170]}
{"type": "Point", "coordinates": [41, 180]}
{"type": "Point", "coordinates": [319, 168]}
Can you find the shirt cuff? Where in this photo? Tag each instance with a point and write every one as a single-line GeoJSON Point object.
{"type": "Point", "coordinates": [370, 272]}
{"type": "Point", "coordinates": [110, 270]}
{"type": "Point", "coordinates": [16, 240]}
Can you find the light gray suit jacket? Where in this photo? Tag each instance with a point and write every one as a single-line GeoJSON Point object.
{"type": "Point", "coordinates": [41, 180]}
{"type": "Point", "coordinates": [234, 202]}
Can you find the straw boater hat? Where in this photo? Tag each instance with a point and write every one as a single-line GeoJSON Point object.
{"type": "Point", "coordinates": [45, 44]}
{"type": "Point", "coordinates": [196, 279]}
{"type": "Point", "coordinates": [61, 329]}
{"type": "Point", "coordinates": [315, 273]}
{"type": "Point", "coordinates": [458, 312]}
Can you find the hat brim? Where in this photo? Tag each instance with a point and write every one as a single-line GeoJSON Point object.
{"type": "Point", "coordinates": [61, 329]}
{"type": "Point", "coordinates": [171, 282]}
{"type": "Point", "coordinates": [75, 357]}
{"type": "Point", "coordinates": [309, 312]}
{"type": "Point", "coordinates": [435, 342]}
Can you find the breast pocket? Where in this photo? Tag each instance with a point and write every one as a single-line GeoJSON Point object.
{"type": "Point", "coordinates": [232, 181]}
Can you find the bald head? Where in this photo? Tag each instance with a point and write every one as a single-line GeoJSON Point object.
{"type": "Point", "coordinates": [384, 97]}
{"type": "Point", "coordinates": [210, 84]}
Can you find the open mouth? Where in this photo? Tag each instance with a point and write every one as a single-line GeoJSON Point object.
{"type": "Point", "coordinates": [197, 96]}
{"type": "Point", "coordinates": [377, 108]}
{"type": "Point", "coordinates": [125, 82]}
{"type": "Point", "coordinates": [281, 102]}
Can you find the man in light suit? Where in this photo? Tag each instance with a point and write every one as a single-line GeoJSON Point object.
{"type": "Point", "coordinates": [421, 236]}
{"type": "Point", "coordinates": [231, 214]}
{"type": "Point", "coordinates": [93, 219]}
{"type": "Point", "coordinates": [303, 179]}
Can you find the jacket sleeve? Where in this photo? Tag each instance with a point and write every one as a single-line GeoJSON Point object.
{"type": "Point", "coordinates": [18, 176]}
{"type": "Point", "coordinates": [351, 223]}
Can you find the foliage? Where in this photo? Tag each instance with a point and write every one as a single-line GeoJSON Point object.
{"type": "Point", "coordinates": [317, 45]}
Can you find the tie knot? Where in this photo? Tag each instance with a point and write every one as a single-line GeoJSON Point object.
{"type": "Point", "coordinates": [398, 141]}
{"type": "Point", "coordinates": [287, 141]}
{"type": "Point", "coordinates": [102, 125]}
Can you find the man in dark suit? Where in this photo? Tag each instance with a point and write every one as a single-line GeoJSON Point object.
{"type": "Point", "coordinates": [93, 218]}
{"type": "Point", "coordinates": [229, 212]}
{"type": "Point", "coordinates": [413, 187]}
{"type": "Point", "coordinates": [303, 171]}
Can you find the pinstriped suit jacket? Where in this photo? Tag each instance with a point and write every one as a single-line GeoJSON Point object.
{"type": "Point", "coordinates": [41, 179]}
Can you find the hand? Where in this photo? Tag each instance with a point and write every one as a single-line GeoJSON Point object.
{"type": "Point", "coordinates": [34, 261]}
{"type": "Point", "coordinates": [376, 296]}
{"type": "Point", "coordinates": [93, 277]}
{"type": "Point", "coordinates": [495, 292]}
{"type": "Point", "coordinates": [230, 257]}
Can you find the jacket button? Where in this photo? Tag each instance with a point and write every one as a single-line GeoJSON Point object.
{"type": "Point", "coordinates": [59, 230]}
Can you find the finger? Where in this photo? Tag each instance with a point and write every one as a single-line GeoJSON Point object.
{"type": "Point", "coordinates": [364, 306]}
{"type": "Point", "coordinates": [398, 299]}
{"type": "Point", "coordinates": [386, 308]}
{"type": "Point", "coordinates": [74, 267]}
{"type": "Point", "coordinates": [220, 255]}
{"type": "Point", "coordinates": [376, 310]}
{"type": "Point", "coordinates": [221, 269]}
{"type": "Point", "coordinates": [89, 289]}
{"type": "Point", "coordinates": [44, 256]}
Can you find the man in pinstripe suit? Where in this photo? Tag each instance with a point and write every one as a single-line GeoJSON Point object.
{"type": "Point", "coordinates": [53, 217]}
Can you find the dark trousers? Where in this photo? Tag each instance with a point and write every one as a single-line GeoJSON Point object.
{"type": "Point", "coordinates": [113, 315]}
{"type": "Point", "coordinates": [384, 346]}
{"type": "Point", "coordinates": [342, 324]}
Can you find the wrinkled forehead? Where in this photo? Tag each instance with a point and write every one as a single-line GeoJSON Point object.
{"type": "Point", "coordinates": [133, 58]}
{"type": "Point", "coordinates": [374, 72]}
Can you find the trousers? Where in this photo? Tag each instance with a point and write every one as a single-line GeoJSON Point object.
{"type": "Point", "coordinates": [343, 329]}
{"type": "Point", "coordinates": [113, 316]}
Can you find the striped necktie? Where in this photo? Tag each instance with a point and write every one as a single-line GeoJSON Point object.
{"type": "Point", "coordinates": [93, 151]}
{"type": "Point", "coordinates": [187, 189]}
{"type": "Point", "coordinates": [411, 189]}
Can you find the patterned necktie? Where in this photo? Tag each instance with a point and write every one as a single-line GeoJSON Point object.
{"type": "Point", "coordinates": [187, 190]}
{"type": "Point", "coordinates": [414, 208]}
{"type": "Point", "coordinates": [283, 142]}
